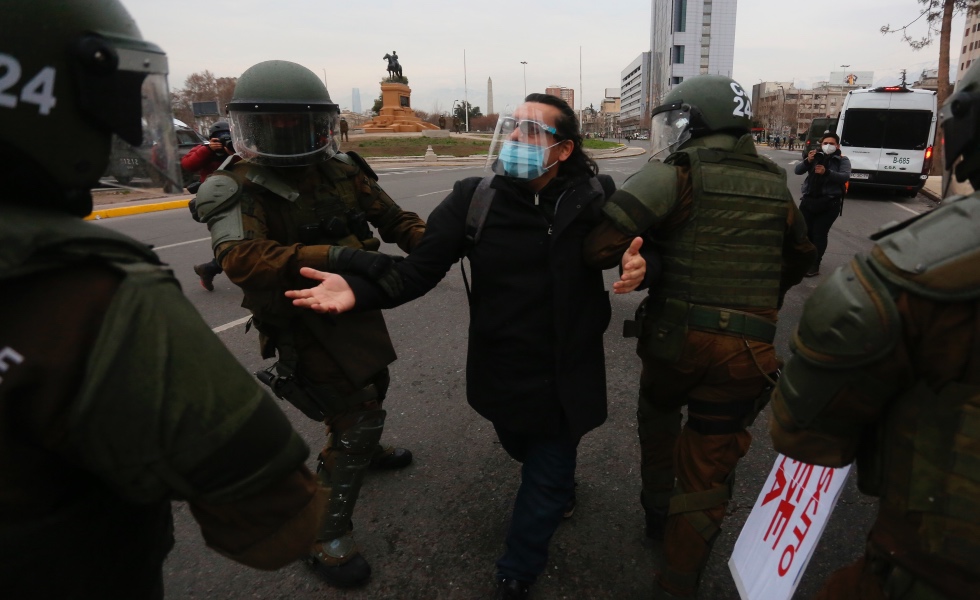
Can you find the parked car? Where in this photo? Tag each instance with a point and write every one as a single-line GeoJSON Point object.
{"type": "Point", "coordinates": [127, 163]}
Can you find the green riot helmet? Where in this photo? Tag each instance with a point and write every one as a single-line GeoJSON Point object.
{"type": "Point", "coordinates": [696, 107]}
{"type": "Point", "coordinates": [960, 121]}
{"type": "Point", "coordinates": [77, 81]}
{"type": "Point", "coordinates": [281, 115]}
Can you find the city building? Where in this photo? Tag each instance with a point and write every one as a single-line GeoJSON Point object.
{"type": "Point", "coordinates": [489, 96]}
{"type": "Point", "coordinates": [609, 113]}
{"type": "Point", "coordinates": [688, 38]}
{"type": "Point", "coordinates": [566, 94]}
{"type": "Point", "coordinates": [634, 105]}
{"type": "Point", "coordinates": [355, 103]}
{"type": "Point", "coordinates": [780, 108]}
{"type": "Point", "coordinates": [970, 50]}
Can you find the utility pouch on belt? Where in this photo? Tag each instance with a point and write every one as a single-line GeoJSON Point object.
{"type": "Point", "coordinates": [661, 326]}
{"type": "Point", "coordinates": [316, 401]}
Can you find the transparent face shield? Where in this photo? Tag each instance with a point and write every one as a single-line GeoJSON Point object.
{"type": "Point", "coordinates": [153, 160]}
{"type": "Point", "coordinates": [669, 128]}
{"type": "Point", "coordinates": [522, 142]}
{"type": "Point", "coordinates": [285, 138]}
{"type": "Point", "coordinates": [955, 141]}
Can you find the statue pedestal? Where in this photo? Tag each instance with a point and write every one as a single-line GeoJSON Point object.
{"type": "Point", "coordinates": [396, 112]}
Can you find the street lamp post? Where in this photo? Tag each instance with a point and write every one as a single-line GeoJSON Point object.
{"type": "Point", "coordinates": [524, 62]}
{"type": "Point", "coordinates": [782, 108]}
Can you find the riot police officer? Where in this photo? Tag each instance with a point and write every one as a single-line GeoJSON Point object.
{"type": "Point", "coordinates": [732, 243]}
{"type": "Point", "coordinates": [886, 372]}
{"type": "Point", "coordinates": [115, 396]}
{"type": "Point", "coordinates": [296, 201]}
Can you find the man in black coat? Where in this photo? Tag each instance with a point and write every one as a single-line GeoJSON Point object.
{"type": "Point", "coordinates": [538, 310]}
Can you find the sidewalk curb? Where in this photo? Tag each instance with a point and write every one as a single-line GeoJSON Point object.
{"type": "Point", "coordinates": [125, 211]}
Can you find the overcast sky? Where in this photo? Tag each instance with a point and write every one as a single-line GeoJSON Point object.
{"type": "Point", "coordinates": [775, 40]}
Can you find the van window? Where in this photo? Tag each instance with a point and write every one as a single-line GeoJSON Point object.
{"type": "Point", "coordinates": [880, 128]}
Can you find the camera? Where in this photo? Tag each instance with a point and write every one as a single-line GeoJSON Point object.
{"type": "Point", "coordinates": [225, 139]}
{"type": "Point", "coordinates": [819, 158]}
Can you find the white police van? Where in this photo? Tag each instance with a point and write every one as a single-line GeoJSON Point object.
{"type": "Point", "coordinates": [887, 133]}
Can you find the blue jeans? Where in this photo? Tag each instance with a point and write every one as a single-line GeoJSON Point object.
{"type": "Point", "coordinates": [547, 485]}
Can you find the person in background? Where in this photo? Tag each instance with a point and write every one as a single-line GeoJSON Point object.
{"type": "Point", "coordinates": [827, 172]}
{"type": "Point", "coordinates": [204, 160]}
{"type": "Point", "coordinates": [344, 127]}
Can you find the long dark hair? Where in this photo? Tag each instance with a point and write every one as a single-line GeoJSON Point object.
{"type": "Point", "coordinates": [567, 126]}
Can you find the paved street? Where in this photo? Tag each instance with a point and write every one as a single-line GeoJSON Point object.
{"type": "Point", "coordinates": [435, 529]}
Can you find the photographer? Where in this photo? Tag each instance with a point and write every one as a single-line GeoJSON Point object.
{"type": "Point", "coordinates": [823, 192]}
{"type": "Point", "coordinates": [204, 160]}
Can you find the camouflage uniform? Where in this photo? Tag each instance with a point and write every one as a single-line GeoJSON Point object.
{"type": "Point", "coordinates": [886, 371]}
{"type": "Point", "coordinates": [333, 368]}
{"type": "Point", "coordinates": [705, 332]}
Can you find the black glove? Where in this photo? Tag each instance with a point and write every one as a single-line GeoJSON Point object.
{"type": "Point", "coordinates": [376, 266]}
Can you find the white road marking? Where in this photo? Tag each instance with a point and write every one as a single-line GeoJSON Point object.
{"type": "Point", "coordinates": [906, 208]}
{"type": "Point", "coordinates": [155, 248]}
{"type": "Point", "coordinates": [438, 192]}
{"type": "Point", "coordinates": [227, 326]}
{"type": "Point", "coordinates": [420, 171]}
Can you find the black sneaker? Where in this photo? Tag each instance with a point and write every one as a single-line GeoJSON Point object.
{"type": "Point", "coordinates": [388, 457]}
{"type": "Point", "coordinates": [813, 271]}
{"type": "Point", "coordinates": [512, 589]}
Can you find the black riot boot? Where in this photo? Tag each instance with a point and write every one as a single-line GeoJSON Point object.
{"type": "Point", "coordinates": [512, 589]}
{"type": "Point", "coordinates": [388, 457]}
{"type": "Point", "coordinates": [207, 272]}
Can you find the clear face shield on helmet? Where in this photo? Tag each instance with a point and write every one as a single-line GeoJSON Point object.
{"type": "Point", "coordinates": [523, 141]}
{"type": "Point", "coordinates": [152, 152]}
{"type": "Point", "coordinates": [284, 135]}
{"type": "Point", "coordinates": [670, 126]}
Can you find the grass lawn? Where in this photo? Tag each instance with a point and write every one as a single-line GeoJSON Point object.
{"type": "Point", "coordinates": [600, 144]}
{"type": "Point", "coordinates": [415, 146]}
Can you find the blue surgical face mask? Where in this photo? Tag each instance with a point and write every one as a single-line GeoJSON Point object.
{"type": "Point", "coordinates": [523, 161]}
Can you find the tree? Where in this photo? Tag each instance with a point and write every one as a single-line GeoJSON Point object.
{"type": "Point", "coordinates": [378, 103]}
{"type": "Point", "coordinates": [201, 87]}
{"type": "Point", "coordinates": [473, 110]}
{"type": "Point", "coordinates": [939, 19]}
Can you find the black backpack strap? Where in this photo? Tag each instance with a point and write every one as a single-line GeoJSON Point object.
{"type": "Point", "coordinates": [476, 217]}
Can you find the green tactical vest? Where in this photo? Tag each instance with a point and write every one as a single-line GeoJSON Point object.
{"type": "Point", "coordinates": [330, 215]}
{"type": "Point", "coordinates": [728, 252]}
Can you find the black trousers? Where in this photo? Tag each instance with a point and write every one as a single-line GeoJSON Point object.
{"type": "Point", "coordinates": [819, 221]}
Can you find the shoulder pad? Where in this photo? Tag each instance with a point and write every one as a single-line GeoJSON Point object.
{"type": "Point", "coordinates": [645, 199]}
{"type": "Point", "coordinates": [361, 163]}
{"type": "Point", "coordinates": [850, 320]}
{"type": "Point", "coordinates": [935, 256]}
{"type": "Point", "coordinates": [217, 192]}
{"type": "Point", "coordinates": [267, 179]}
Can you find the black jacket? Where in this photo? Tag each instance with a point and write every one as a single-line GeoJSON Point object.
{"type": "Point", "coordinates": [535, 362]}
{"type": "Point", "coordinates": [830, 183]}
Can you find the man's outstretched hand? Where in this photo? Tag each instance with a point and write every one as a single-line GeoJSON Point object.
{"type": "Point", "coordinates": [634, 268]}
{"type": "Point", "coordinates": [333, 295]}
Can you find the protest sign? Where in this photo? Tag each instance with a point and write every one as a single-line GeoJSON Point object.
{"type": "Point", "coordinates": [782, 531]}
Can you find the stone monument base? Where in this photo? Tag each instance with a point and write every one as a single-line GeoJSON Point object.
{"type": "Point", "coordinates": [396, 112]}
